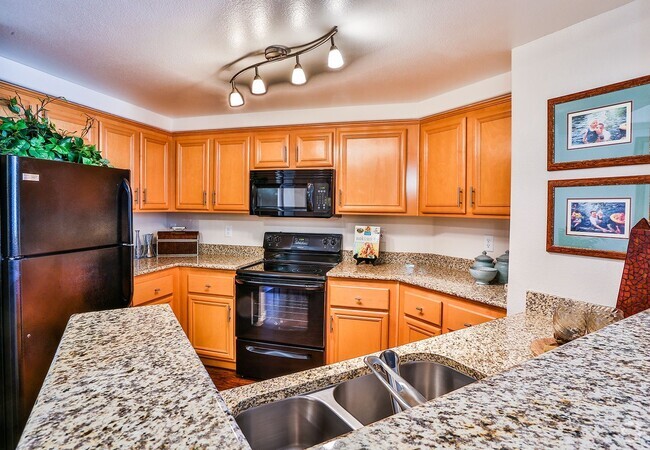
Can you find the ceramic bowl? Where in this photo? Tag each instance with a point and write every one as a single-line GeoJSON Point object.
{"type": "Point", "coordinates": [483, 275]}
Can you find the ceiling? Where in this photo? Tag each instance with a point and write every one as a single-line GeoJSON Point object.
{"type": "Point", "coordinates": [175, 57]}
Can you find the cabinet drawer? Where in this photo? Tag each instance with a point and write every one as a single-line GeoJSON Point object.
{"type": "Point", "coordinates": [147, 291]}
{"type": "Point", "coordinates": [422, 305]}
{"type": "Point", "coordinates": [356, 296]}
{"type": "Point", "coordinates": [459, 317]}
{"type": "Point", "coordinates": [211, 284]}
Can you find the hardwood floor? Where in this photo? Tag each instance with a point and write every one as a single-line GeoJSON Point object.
{"type": "Point", "coordinates": [225, 379]}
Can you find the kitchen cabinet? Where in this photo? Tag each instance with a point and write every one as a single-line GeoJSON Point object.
{"type": "Point", "coordinates": [158, 288]}
{"type": "Point", "coordinates": [361, 318]}
{"type": "Point", "coordinates": [7, 91]}
{"type": "Point", "coordinates": [465, 161]}
{"type": "Point", "coordinates": [192, 173]}
{"type": "Point", "coordinates": [210, 297]}
{"type": "Point", "coordinates": [72, 119]}
{"type": "Point", "coordinates": [119, 143]}
{"type": "Point", "coordinates": [156, 175]}
{"type": "Point", "coordinates": [459, 313]}
{"type": "Point", "coordinates": [420, 314]}
{"type": "Point", "coordinates": [290, 149]}
{"type": "Point", "coordinates": [230, 186]}
{"type": "Point", "coordinates": [377, 169]}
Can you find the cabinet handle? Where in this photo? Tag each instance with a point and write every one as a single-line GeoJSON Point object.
{"type": "Point", "coordinates": [419, 309]}
{"type": "Point", "coordinates": [340, 196]}
{"type": "Point", "coordinates": [137, 190]}
{"type": "Point", "coordinates": [471, 192]}
{"type": "Point", "coordinates": [214, 197]}
{"type": "Point", "coordinates": [460, 200]}
{"type": "Point", "coordinates": [144, 195]}
{"type": "Point", "coordinates": [205, 198]}
{"type": "Point", "coordinates": [155, 291]}
{"type": "Point", "coordinates": [229, 311]}
{"type": "Point", "coordinates": [331, 324]}
{"type": "Point", "coordinates": [284, 150]}
{"type": "Point", "coordinates": [467, 325]}
{"type": "Point", "coordinates": [358, 299]}
{"type": "Point", "coordinates": [208, 286]}
{"type": "Point", "coordinates": [296, 152]}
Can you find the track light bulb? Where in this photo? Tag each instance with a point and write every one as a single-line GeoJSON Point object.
{"type": "Point", "coordinates": [235, 99]}
{"type": "Point", "coordinates": [298, 76]}
{"type": "Point", "coordinates": [334, 59]}
{"type": "Point", "coordinates": [258, 87]}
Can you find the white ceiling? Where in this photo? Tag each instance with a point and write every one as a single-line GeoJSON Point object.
{"type": "Point", "coordinates": [172, 56]}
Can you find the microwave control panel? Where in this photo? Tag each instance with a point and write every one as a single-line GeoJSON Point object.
{"type": "Point", "coordinates": [322, 200]}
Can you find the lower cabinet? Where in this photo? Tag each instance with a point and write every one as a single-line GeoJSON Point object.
{"type": "Point", "coordinates": [420, 314]}
{"type": "Point", "coordinates": [158, 288]}
{"type": "Point", "coordinates": [361, 318]}
{"type": "Point", "coordinates": [459, 313]}
{"type": "Point", "coordinates": [210, 298]}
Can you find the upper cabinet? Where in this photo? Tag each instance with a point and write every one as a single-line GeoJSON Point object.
{"type": "Point", "coordinates": [192, 173]}
{"type": "Point", "coordinates": [27, 100]}
{"type": "Point", "coordinates": [212, 172]}
{"type": "Point", "coordinates": [119, 143]}
{"type": "Point", "coordinates": [299, 148]}
{"type": "Point", "coordinates": [156, 162]}
{"type": "Point", "coordinates": [465, 162]}
{"type": "Point", "coordinates": [377, 169]}
{"type": "Point", "coordinates": [72, 119]}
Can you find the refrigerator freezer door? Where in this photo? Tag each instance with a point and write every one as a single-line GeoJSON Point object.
{"type": "Point", "coordinates": [45, 291]}
{"type": "Point", "coordinates": [53, 206]}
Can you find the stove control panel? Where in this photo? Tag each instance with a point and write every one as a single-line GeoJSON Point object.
{"type": "Point", "coordinates": [331, 243]}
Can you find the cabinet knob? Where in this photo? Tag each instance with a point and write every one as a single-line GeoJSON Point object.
{"type": "Point", "coordinates": [358, 299]}
{"type": "Point", "coordinates": [156, 290]}
{"type": "Point", "coordinates": [467, 324]}
{"type": "Point", "coordinates": [208, 286]}
{"type": "Point", "coordinates": [420, 309]}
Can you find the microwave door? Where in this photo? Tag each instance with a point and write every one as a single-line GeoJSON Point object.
{"type": "Point", "coordinates": [294, 197]}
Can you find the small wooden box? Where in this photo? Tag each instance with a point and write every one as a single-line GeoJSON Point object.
{"type": "Point", "coordinates": [178, 243]}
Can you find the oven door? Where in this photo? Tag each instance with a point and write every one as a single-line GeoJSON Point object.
{"type": "Point", "coordinates": [281, 311]}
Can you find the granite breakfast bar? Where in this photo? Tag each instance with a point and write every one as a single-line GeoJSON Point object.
{"type": "Point", "coordinates": [129, 378]}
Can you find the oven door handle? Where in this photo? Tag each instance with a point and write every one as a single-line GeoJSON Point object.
{"type": "Point", "coordinates": [278, 353]}
{"type": "Point", "coordinates": [273, 283]}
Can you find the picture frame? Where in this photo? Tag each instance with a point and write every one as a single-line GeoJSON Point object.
{"type": "Point", "coordinates": [601, 127]}
{"type": "Point", "coordinates": [594, 216]}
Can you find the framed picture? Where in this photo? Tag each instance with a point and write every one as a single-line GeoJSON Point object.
{"type": "Point", "coordinates": [593, 216]}
{"type": "Point", "coordinates": [606, 126]}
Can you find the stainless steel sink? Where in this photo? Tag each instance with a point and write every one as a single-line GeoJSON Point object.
{"type": "Point", "coordinates": [296, 422]}
{"type": "Point", "coordinates": [368, 401]}
{"type": "Point", "coordinates": [307, 420]}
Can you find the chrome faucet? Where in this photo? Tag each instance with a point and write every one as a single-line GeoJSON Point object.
{"type": "Point", "coordinates": [403, 395]}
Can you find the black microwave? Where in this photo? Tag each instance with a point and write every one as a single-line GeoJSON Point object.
{"type": "Point", "coordinates": [292, 193]}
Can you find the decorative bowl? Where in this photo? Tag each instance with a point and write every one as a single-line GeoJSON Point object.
{"type": "Point", "coordinates": [483, 275]}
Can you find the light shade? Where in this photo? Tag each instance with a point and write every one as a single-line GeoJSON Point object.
{"type": "Point", "coordinates": [258, 87]}
{"type": "Point", "coordinates": [298, 76]}
{"type": "Point", "coordinates": [334, 59]}
{"type": "Point", "coordinates": [235, 99]}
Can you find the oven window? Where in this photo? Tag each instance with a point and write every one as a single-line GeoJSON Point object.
{"type": "Point", "coordinates": [281, 309]}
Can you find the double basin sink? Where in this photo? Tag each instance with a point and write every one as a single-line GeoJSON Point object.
{"type": "Point", "coordinates": [306, 420]}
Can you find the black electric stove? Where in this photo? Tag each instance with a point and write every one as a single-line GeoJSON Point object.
{"type": "Point", "coordinates": [280, 305]}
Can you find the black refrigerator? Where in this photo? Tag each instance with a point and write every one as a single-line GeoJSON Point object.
{"type": "Point", "coordinates": [66, 233]}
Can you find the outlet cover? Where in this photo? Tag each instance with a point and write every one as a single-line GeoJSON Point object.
{"type": "Point", "coordinates": [228, 231]}
{"type": "Point", "coordinates": [488, 243]}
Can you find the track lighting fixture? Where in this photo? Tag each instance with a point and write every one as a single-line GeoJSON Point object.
{"type": "Point", "coordinates": [275, 53]}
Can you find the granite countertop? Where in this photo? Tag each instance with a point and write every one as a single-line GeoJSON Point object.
{"type": "Point", "coordinates": [217, 261]}
{"type": "Point", "coordinates": [446, 279]}
{"type": "Point", "coordinates": [129, 378]}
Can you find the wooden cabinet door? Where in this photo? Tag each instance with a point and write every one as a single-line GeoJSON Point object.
{"type": "Point", "coordinates": [71, 119]}
{"type": "Point", "coordinates": [120, 145]}
{"type": "Point", "coordinates": [314, 149]}
{"type": "Point", "coordinates": [411, 330]}
{"type": "Point", "coordinates": [7, 92]}
{"type": "Point", "coordinates": [211, 325]}
{"type": "Point", "coordinates": [192, 173]}
{"type": "Point", "coordinates": [442, 166]}
{"type": "Point", "coordinates": [371, 177]}
{"type": "Point", "coordinates": [271, 151]}
{"type": "Point", "coordinates": [355, 332]}
{"type": "Point", "coordinates": [488, 138]}
{"type": "Point", "coordinates": [230, 181]}
{"type": "Point", "coordinates": [155, 171]}
{"type": "Point", "coordinates": [459, 314]}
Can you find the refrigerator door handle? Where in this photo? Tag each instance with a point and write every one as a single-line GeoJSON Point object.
{"type": "Point", "coordinates": [125, 196]}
